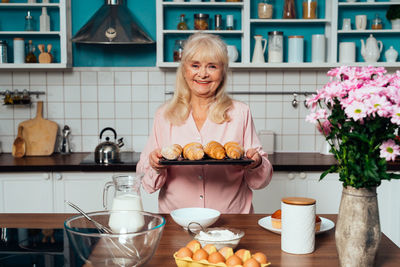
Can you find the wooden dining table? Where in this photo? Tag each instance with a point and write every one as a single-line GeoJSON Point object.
{"type": "Point", "coordinates": [256, 239]}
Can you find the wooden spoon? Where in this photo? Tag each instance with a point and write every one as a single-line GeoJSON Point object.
{"type": "Point", "coordinates": [18, 148]}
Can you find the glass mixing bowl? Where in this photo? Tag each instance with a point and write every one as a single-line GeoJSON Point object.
{"type": "Point", "coordinates": [120, 248]}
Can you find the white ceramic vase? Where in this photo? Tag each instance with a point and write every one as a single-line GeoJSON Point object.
{"type": "Point", "coordinates": [233, 53]}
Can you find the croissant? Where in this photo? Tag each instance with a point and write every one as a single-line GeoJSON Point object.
{"type": "Point", "coordinates": [193, 151]}
{"type": "Point", "coordinates": [234, 150]}
{"type": "Point", "coordinates": [171, 152]}
{"type": "Point", "coordinates": [215, 150]}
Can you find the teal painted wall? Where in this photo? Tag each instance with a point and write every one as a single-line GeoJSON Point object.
{"type": "Point", "coordinates": [90, 55]}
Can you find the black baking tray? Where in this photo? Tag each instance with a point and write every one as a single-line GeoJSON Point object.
{"type": "Point", "coordinates": [206, 161]}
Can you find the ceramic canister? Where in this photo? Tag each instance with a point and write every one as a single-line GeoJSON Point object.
{"type": "Point", "coordinates": [347, 52]}
{"type": "Point", "coordinates": [318, 48]}
{"type": "Point", "coordinates": [298, 225]}
{"type": "Point", "coordinates": [296, 49]}
{"type": "Point", "coordinates": [19, 50]}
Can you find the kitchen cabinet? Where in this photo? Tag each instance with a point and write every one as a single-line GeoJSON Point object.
{"type": "Point", "coordinates": [26, 192]}
{"type": "Point", "coordinates": [299, 184]}
{"type": "Point", "coordinates": [12, 25]}
{"type": "Point", "coordinates": [247, 24]}
{"type": "Point", "coordinates": [46, 192]}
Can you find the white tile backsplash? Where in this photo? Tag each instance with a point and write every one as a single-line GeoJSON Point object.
{"type": "Point", "coordinates": [90, 99]}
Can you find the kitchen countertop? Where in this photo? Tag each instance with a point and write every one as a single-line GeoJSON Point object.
{"type": "Point", "coordinates": [62, 163]}
{"type": "Point", "coordinates": [256, 239]}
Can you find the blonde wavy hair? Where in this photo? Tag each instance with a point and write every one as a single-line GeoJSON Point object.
{"type": "Point", "coordinates": [208, 47]}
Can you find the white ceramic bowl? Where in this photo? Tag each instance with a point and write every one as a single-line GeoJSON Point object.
{"type": "Point", "coordinates": [203, 216]}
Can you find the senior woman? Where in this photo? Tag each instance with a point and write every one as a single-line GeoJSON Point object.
{"type": "Point", "coordinates": [201, 111]}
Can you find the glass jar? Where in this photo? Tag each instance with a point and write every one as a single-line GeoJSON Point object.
{"type": "Point", "coordinates": [289, 10]}
{"type": "Point", "coordinates": [275, 47]}
{"type": "Point", "coordinates": [218, 22]}
{"type": "Point", "coordinates": [29, 22]}
{"type": "Point", "coordinates": [376, 23]}
{"type": "Point", "coordinates": [3, 51]}
{"type": "Point", "coordinates": [30, 55]}
{"type": "Point", "coordinates": [265, 9]}
{"type": "Point", "coordinates": [178, 50]}
{"type": "Point", "coordinates": [182, 24]}
{"type": "Point", "coordinates": [229, 22]}
{"type": "Point", "coordinates": [309, 9]}
{"type": "Point", "coordinates": [201, 21]}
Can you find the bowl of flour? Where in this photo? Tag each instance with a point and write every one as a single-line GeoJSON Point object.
{"type": "Point", "coordinates": [219, 237]}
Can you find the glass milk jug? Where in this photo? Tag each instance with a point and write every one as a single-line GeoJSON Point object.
{"type": "Point", "coordinates": [126, 197]}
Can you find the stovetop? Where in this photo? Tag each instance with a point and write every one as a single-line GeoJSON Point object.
{"type": "Point", "coordinates": [127, 158]}
{"type": "Point", "coordinates": [36, 247]}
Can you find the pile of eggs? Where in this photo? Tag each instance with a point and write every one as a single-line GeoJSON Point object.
{"type": "Point", "coordinates": [210, 256]}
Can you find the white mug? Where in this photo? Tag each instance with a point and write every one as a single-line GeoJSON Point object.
{"type": "Point", "coordinates": [361, 22]}
{"type": "Point", "coordinates": [346, 26]}
{"type": "Point", "coordinates": [347, 52]}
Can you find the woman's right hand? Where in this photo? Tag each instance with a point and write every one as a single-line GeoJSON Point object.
{"type": "Point", "coordinates": [154, 159]}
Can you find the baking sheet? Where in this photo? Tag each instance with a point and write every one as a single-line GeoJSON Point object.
{"type": "Point", "coordinates": [207, 161]}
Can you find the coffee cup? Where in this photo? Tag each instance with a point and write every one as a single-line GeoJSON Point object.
{"type": "Point", "coordinates": [347, 52]}
{"type": "Point", "coordinates": [361, 22]}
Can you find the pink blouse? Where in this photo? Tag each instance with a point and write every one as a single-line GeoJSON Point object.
{"type": "Point", "coordinates": [227, 188]}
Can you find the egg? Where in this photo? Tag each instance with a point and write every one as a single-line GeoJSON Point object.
{"type": "Point", "coordinates": [216, 257]}
{"type": "Point", "coordinates": [260, 257]}
{"type": "Point", "coordinates": [251, 263]}
{"type": "Point", "coordinates": [200, 254]}
{"type": "Point", "coordinates": [184, 252]}
{"type": "Point", "coordinates": [233, 260]}
{"type": "Point", "coordinates": [210, 248]}
{"type": "Point", "coordinates": [193, 245]}
{"type": "Point", "coordinates": [226, 252]}
{"type": "Point", "coordinates": [244, 254]}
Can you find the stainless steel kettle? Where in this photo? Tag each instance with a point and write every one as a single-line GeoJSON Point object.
{"type": "Point", "coordinates": [108, 152]}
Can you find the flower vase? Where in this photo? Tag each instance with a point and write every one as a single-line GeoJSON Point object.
{"type": "Point", "coordinates": [358, 230]}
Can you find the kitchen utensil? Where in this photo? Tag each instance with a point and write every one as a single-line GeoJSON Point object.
{"type": "Point", "coordinates": [39, 134]}
{"type": "Point", "coordinates": [99, 226]}
{"type": "Point", "coordinates": [126, 197]}
{"type": "Point", "coordinates": [65, 146]}
{"type": "Point", "coordinates": [295, 102]}
{"type": "Point", "coordinates": [203, 216]}
{"type": "Point", "coordinates": [207, 161]}
{"type": "Point", "coordinates": [108, 152]}
{"type": "Point", "coordinates": [102, 249]}
{"type": "Point", "coordinates": [45, 57]}
{"type": "Point", "coordinates": [371, 49]}
{"type": "Point", "coordinates": [18, 148]}
{"type": "Point", "coordinates": [266, 223]}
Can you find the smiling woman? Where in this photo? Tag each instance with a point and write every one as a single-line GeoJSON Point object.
{"type": "Point", "coordinates": [201, 111]}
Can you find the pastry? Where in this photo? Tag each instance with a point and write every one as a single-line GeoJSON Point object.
{"type": "Point", "coordinates": [234, 150]}
{"type": "Point", "coordinates": [276, 221]}
{"type": "Point", "coordinates": [215, 150]}
{"type": "Point", "coordinates": [171, 152]}
{"type": "Point", "coordinates": [193, 151]}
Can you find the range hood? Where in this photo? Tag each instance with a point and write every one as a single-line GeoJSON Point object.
{"type": "Point", "coordinates": [113, 23]}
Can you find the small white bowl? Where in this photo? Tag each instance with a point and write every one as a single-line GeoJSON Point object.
{"type": "Point", "coordinates": [203, 216]}
{"type": "Point", "coordinates": [220, 242]}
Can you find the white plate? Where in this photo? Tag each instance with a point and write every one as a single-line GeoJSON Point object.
{"type": "Point", "coordinates": [265, 222]}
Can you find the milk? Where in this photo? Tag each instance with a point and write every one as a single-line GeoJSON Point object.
{"type": "Point", "coordinates": [126, 222]}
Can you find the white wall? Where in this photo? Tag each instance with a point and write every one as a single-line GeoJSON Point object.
{"type": "Point", "coordinates": [89, 99]}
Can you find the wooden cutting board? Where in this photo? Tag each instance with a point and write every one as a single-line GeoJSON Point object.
{"type": "Point", "coordinates": [39, 134]}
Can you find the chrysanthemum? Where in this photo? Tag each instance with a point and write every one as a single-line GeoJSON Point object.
{"type": "Point", "coordinates": [389, 150]}
{"type": "Point", "coordinates": [356, 111]}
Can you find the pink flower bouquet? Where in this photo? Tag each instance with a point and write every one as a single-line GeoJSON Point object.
{"type": "Point", "coordinates": [358, 112]}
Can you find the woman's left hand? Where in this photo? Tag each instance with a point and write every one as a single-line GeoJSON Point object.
{"type": "Point", "coordinates": [254, 155]}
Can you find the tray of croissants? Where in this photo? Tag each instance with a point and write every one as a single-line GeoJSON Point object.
{"type": "Point", "coordinates": [213, 153]}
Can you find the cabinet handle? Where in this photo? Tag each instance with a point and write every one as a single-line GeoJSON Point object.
{"type": "Point", "coordinates": [303, 175]}
{"type": "Point", "coordinates": [46, 176]}
{"type": "Point", "coordinates": [291, 175]}
{"type": "Point", "coordinates": [58, 176]}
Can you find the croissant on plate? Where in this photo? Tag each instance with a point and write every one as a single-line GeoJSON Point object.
{"type": "Point", "coordinates": [215, 150]}
{"type": "Point", "coordinates": [171, 152]}
{"type": "Point", "coordinates": [234, 150]}
{"type": "Point", "coordinates": [193, 151]}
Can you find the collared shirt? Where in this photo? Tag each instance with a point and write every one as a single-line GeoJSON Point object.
{"type": "Point", "coordinates": [227, 188]}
